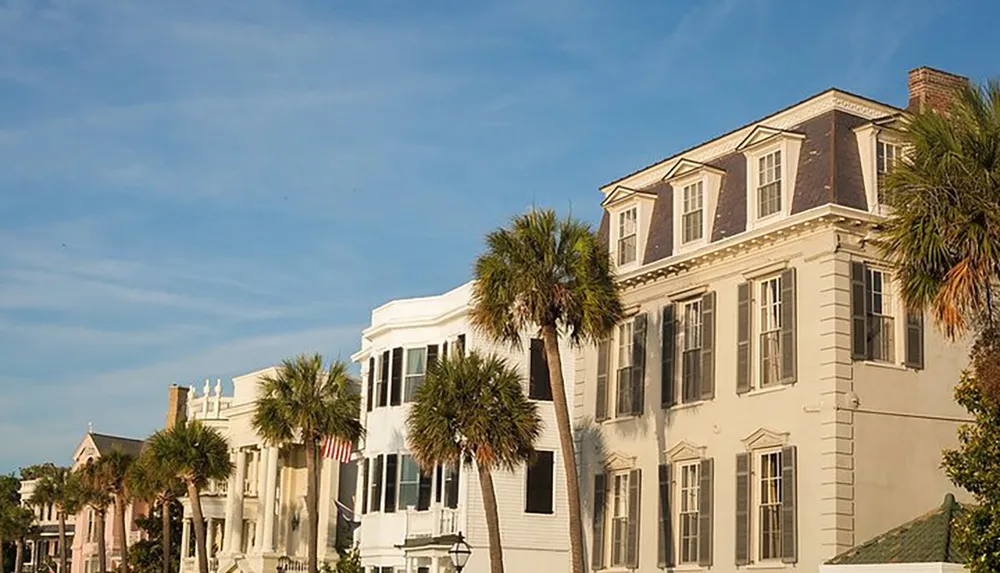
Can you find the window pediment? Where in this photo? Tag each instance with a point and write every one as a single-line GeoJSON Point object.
{"type": "Point", "coordinates": [621, 193]}
{"type": "Point", "coordinates": [618, 462]}
{"type": "Point", "coordinates": [686, 167]}
{"type": "Point", "coordinates": [762, 135]}
{"type": "Point", "coordinates": [685, 451]}
{"type": "Point", "coordinates": [765, 438]}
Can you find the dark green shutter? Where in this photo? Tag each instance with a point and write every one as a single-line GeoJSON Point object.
{"type": "Point", "coordinates": [632, 537]}
{"type": "Point", "coordinates": [391, 462]}
{"type": "Point", "coordinates": [859, 312]}
{"type": "Point", "coordinates": [383, 389]}
{"type": "Point", "coordinates": [460, 345]}
{"type": "Point", "coordinates": [438, 483]}
{"type": "Point", "coordinates": [365, 485]}
{"type": "Point", "coordinates": [668, 346]}
{"type": "Point", "coordinates": [539, 387]}
{"type": "Point", "coordinates": [444, 350]}
{"type": "Point", "coordinates": [742, 509]}
{"type": "Point", "coordinates": [397, 377]}
{"type": "Point", "coordinates": [603, 358]}
{"type": "Point", "coordinates": [638, 378]}
{"type": "Point", "coordinates": [743, 338]}
{"type": "Point", "coordinates": [370, 395]}
{"type": "Point", "coordinates": [424, 492]}
{"type": "Point", "coordinates": [787, 334]}
{"type": "Point", "coordinates": [789, 492]}
{"type": "Point", "coordinates": [706, 509]}
{"type": "Point", "coordinates": [432, 356]}
{"type": "Point", "coordinates": [665, 545]}
{"type": "Point", "coordinates": [915, 339]}
{"type": "Point", "coordinates": [708, 346]}
{"type": "Point", "coordinates": [600, 497]}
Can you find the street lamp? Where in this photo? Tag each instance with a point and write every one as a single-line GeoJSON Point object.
{"type": "Point", "coordinates": [459, 553]}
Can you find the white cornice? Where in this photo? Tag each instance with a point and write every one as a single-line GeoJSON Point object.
{"type": "Point", "coordinates": [792, 225]}
{"type": "Point", "coordinates": [783, 120]}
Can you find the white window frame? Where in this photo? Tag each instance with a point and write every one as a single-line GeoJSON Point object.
{"type": "Point", "coordinates": [688, 504]}
{"type": "Point", "coordinates": [413, 378]}
{"type": "Point", "coordinates": [690, 341]}
{"type": "Point", "coordinates": [757, 491]}
{"type": "Point", "coordinates": [767, 322]}
{"type": "Point", "coordinates": [618, 504]}
{"type": "Point", "coordinates": [790, 146]}
{"type": "Point", "coordinates": [400, 483]}
{"type": "Point", "coordinates": [884, 164]}
{"type": "Point", "coordinates": [766, 174]}
{"type": "Point", "coordinates": [377, 386]}
{"type": "Point", "coordinates": [693, 203]}
{"type": "Point", "coordinates": [621, 218]}
{"type": "Point", "coordinates": [623, 360]}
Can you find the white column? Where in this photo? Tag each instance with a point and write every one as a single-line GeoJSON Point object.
{"type": "Point", "coordinates": [233, 540]}
{"type": "Point", "coordinates": [435, 565]}
{"type": "Point", "coordinates": [270, 490]}
{"type": "Point", "coordinates": [185, 540]}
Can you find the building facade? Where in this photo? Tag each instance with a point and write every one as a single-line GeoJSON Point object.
{"type": "Point", "coordinates": [258, 516]}
{"type": "Point", "coordinates": [409, 519]}
{"type": "Point", "coordinates": [42, 549]}
{"type": "Point", "coordinates": [84, 541]}
{"type": "Point", "coordinates": [768, 402]}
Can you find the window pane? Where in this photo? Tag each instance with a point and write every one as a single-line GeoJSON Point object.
{"type": "Point", "coordinates": [538, 492]}
{"type": "Point", "coordinates": [409, 482]}
{"type": "Point", "coordinates": [769, 508]}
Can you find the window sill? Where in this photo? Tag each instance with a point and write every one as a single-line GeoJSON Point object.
{"type": "Point", "coordinates": [889, 365]}
{"type": "Point", "coordinates": [767, 565]}
{"type": "Point", "coordinates": [686, 567]}
{"type": "Point", "coordinates": [778, 387]}
{"type": "Point", "coordinates": [628, 418]}
{"type": "Point", "coordinates": [686, 405]}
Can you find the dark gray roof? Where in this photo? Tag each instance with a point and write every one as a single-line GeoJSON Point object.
{"type": "Point", "coordinates": [106, 444]}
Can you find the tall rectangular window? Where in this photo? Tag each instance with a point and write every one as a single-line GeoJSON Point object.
{"type": "Point", "coordinates": [881, 327]}
{"type": "Point", "coordinates": [769, 505]}
{"type": "Point", "coordinates": [627, 233]}
{"type": "Point", "coordinates": [619, 518]}
{"type": "Point", "coordinates": [538, 489]}
{"type": "Point", "coordinates": [688, 513]}
{"type": "Point", "coordinates": [770, 331]}
{"type": "Point", "coordinates": [409, 483]}
{"type": "Point", "coordinates": [886, 156]}
{"type": "Point", "coordinates": [691, 357]}
{"type": "Point", "coordinates": [416, 369]}
{"type": "Point", "coordinates": [376, 483]}
{"type": "Point", "coordinates": [625, 368]}
{"type": "Point", "coordinates": [693, 211]}
{"type": "Point", "coordinates": [769, 184]}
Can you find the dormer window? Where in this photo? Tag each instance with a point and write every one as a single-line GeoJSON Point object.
{"type": "Point", "coordinates": [627, 236]}
{"type": "Point", "coordinates": [887, 154]}
{"type": "Point", "coordinates": [694, 210]}
{"type": "Point", "coordinates": [769, 184]}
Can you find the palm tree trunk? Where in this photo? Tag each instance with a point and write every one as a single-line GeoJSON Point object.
{"type": "Point", "coordinates": [102, 548]}
{"type": "Point", "coordinates": [165, 534]}
{"type": "Point", "coordinates": [63, 556]}
{"type": "Point", "coordinates": [312, 504]}
{"type": "Point", "coordinates": [551, 339]}
{"type": "Point", "coordinates": [199, 527]}
{"type": "Point", "coordinates": [492, 517]}
{"type": "Point", "coordinates": [121, 532]}
{"type": "Point", "coordinates": [19, 555]}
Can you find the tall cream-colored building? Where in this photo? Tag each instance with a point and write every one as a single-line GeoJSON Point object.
{"type": "Point", "coordinates": [768, 402]}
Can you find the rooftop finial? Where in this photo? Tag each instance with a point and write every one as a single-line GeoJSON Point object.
{"type": "Point", "coordinates": [90, 427]}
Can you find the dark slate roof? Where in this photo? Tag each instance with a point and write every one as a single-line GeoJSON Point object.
{"type": "Point", "coordinates": [106, 444]}
{"type": "Point", "coordinates": [604, 229]}
{"type": "Point", "coordinates": [926, 539]}
{"type": "Point", "coordinates": [829, 171]}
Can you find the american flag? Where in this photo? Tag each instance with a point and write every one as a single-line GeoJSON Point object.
{"type": "Point", "coordinates": [337, 449]}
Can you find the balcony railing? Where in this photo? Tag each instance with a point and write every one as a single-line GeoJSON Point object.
{"type": "Point", "coordinates": [434, 522]}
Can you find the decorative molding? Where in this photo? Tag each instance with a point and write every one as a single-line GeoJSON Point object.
{"type": "Point", "coordinates": [762, 134]}
{"type": "Point", "coordinates": [685, 451]}
{"type": "Point", "coordinates": [622, 193]}
{"type": "Point", "coordinates": [763, 270]}
{"type": "Point", "coordinates": [618, 462]}
{"type": "Point", "coordinates": [685, 167]}
{"type": "Point", "coordinates": [687, 293]}
{"type": "Point", "coordinates": [765, 438]}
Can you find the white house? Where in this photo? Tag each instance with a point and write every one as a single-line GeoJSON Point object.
{"type": "Point", "coordinates": [409, 519]}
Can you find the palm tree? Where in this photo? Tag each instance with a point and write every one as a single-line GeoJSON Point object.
{"type": "Point", "coordinates": [473, 408]}
{"type": "Point", "coordinates": [555, 275]}
{"type": "Point", "coordinates": [307, 401]}
{"type": "Point", "coordinates": [54, 490]}
{"type": "Point", "coordinates": [943, 233]}
{"type": "Point", "coordinates": [18, 523]}
{"type": "Point", "coordinates": [115, 466]}
{"type": "Point", "coordinates": [196, 454]}
{"type": "Point", "coordinates": [151, 481]}
{"type": "Point", "coordinates": [89, 485]}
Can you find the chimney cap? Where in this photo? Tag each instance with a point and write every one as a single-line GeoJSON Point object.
{"type": "Point", "coordinates": [938, 71]}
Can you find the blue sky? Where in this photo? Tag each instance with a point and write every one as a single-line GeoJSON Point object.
{"type": "Point", "coordinates": [195, 189]}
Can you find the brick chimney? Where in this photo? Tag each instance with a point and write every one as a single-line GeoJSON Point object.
{"type": "Point", "coordinates": [933, 89]}
{"type": "Point", "coordinates": [177, 398]}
